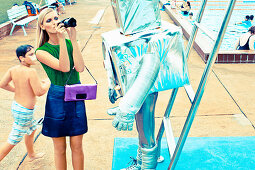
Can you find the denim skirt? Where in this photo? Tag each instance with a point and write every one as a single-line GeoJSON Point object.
{"type": "Point", "coordinates": [63, 118]}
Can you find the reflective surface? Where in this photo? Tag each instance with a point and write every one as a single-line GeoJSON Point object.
{"type": "Point", "coordinates": [145, 122]}
{"type": "Point", "coordinates": [123, 54]}
{"type": "Point", "coordinates": [133, 100]}
{"type": "Point", "coordinates": [202, 84]}
{"type": "Point", "coordinates": [213, 17]}
{"type": "Point", "coordinates": [136, 15]}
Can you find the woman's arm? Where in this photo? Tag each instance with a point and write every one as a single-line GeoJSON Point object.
{"type": "Point", "coordinates": [64, 62]}
{"type": "Point", "coordinates": [61, 64]}
{"type": "Point", "coordinates": [47, 59]}
{"type": "Point", "coordinates": [237, 43]}
{"type": "Point", "coordinates": [77, 56]}
{"type": "Point", "coordinates": [5, 82]}
{"type": "Point", "coordinates": [188, 8]}
{"type": "Point", "coordinates": [237, 23]}
{"type": "Point", "coordinates": [251, 42]}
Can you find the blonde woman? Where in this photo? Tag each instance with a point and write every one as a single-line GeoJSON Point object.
{"type": "Point", "coordinates": [58, 55]}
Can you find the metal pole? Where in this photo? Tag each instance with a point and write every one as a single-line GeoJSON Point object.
{"type": "Point", "coordinates": [166, 115]}
{"type": "Point", "coordinates": [195, 29]}
{"type": "Point", "coordinates": [167, 112]}
{"type": "Point", "coordinates": [201, 86]}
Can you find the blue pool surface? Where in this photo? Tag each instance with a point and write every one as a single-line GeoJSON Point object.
{"type": "Point", "coordinates": [200, 153]}
{"type": "Point", "coordinates": [212, 19]}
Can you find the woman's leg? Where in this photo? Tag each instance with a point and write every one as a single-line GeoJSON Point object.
{"type": "Point", "coordinates": [77, 152]}
{"type": "Point", "coordinates": [60, 152]}
{"type": "Point", "coordinates": [5, 149]}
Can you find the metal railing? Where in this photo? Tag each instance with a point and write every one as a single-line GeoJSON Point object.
{"type": "Point", "coordinates": [195, 98]}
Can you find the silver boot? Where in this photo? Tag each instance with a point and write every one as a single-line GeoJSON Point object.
{"type": "Point", "coordinates": [135, 163]}
{"type": "Point", "coordinates": [149, 158]}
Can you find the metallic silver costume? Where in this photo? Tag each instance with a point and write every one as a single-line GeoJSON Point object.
{"type": "Point", "coordinates": [148, 61]}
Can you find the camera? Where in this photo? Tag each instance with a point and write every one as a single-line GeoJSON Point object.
{"type": "Point", "coordinates": [68, 22]}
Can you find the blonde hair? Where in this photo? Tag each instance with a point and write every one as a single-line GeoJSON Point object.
{"type": "Point", "coordinates": [41, 35]}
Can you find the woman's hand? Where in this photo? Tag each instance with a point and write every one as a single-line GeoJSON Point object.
{"type": "Point", "coordinates": [60, 30]}
{"type": "Point", "coordinates": [77, 56]}
{"type": "Point", "coordinates": [71, 33]}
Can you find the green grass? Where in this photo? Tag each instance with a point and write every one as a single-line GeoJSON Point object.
{"type": "Point", "coordinates": [7, 4]}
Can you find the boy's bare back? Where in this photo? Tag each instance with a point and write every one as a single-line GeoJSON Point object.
{"type": "Point", "coordinates": [27, 85]}
{"type": "Point", "coordinates": [21, 77]}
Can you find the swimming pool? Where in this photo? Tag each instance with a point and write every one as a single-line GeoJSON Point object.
{"type": "Point", "coordinates": [214, 14]}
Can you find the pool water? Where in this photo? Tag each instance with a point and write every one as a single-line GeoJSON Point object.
{"type": "Point", "coordinates": [214, 14]}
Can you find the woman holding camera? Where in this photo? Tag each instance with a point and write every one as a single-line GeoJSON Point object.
{"type": "Point", "coordinates": [58, 56]}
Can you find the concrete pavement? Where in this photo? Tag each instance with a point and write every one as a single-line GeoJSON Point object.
{"type": "Point", "coordinates": [226, 108]}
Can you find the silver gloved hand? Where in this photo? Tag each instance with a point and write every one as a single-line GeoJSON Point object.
{"type": "Point", "coordinates": [123, 121]}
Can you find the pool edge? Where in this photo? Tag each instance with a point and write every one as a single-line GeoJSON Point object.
{"type": "Point", "coordinates": [223, 57]}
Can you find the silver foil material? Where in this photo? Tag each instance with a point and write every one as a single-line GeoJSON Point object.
{"type": "Point", "coordinates": [134, 98]}
{"type": "Point", "coordinates": [134, 16]}
{"type": "Point", "coordinates": [123, 56]}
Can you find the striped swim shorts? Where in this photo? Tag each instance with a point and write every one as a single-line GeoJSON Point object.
{"type": "Point", "coordinates": [24, 123]}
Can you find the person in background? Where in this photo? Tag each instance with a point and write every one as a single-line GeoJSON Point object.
{"type": "Point", "coordinates": [56, 4]}
{"type": "Point", "coordinates": [190, 16]}
{"type": "Point", "coordinates": [60, 57]}
{"type": "Point", "coordinates": [27, 86]}
{"type": "Point", "coordinates": [251, 19]}
{"type": "Point", "coordinates": [163, 6]}
{"type": "Point", "coordinates": [246, 22]}
{"type": "Point", "coordinates": [247, 40]}
{"type": "Point", "coordinates": [62, 5]}
{"type": "Point", "coordinates": [168, 3]}
{"type": "Point", "coordinates": [185, 7]}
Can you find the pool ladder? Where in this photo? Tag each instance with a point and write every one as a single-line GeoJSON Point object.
{"type": "Point", "coordinates": [195, 98]}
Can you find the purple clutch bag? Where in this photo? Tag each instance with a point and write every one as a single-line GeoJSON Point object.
{"type": "Point", "coordinates": [78, 92]}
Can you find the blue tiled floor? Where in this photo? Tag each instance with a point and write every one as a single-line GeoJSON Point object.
{"type": "Point", "coordinates": [198, 153]}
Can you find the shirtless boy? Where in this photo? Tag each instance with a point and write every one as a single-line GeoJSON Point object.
{"type": "Point", "coordinates": [27, 86]}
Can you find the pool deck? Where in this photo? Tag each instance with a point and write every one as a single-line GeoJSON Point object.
{"type": "Point", "coordinates": [226, 109]}
{"type": "Point", "coordinates": [202, 44]}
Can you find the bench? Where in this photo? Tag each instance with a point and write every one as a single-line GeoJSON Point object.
{"type": "Point", "coordinates": [19, 12]}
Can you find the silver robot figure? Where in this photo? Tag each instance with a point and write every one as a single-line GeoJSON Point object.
{"type": "Point", "coordinates": [149, 60]}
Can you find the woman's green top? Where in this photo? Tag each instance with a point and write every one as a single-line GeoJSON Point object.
{"type": "Point", "coordinates": [58, 77]}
